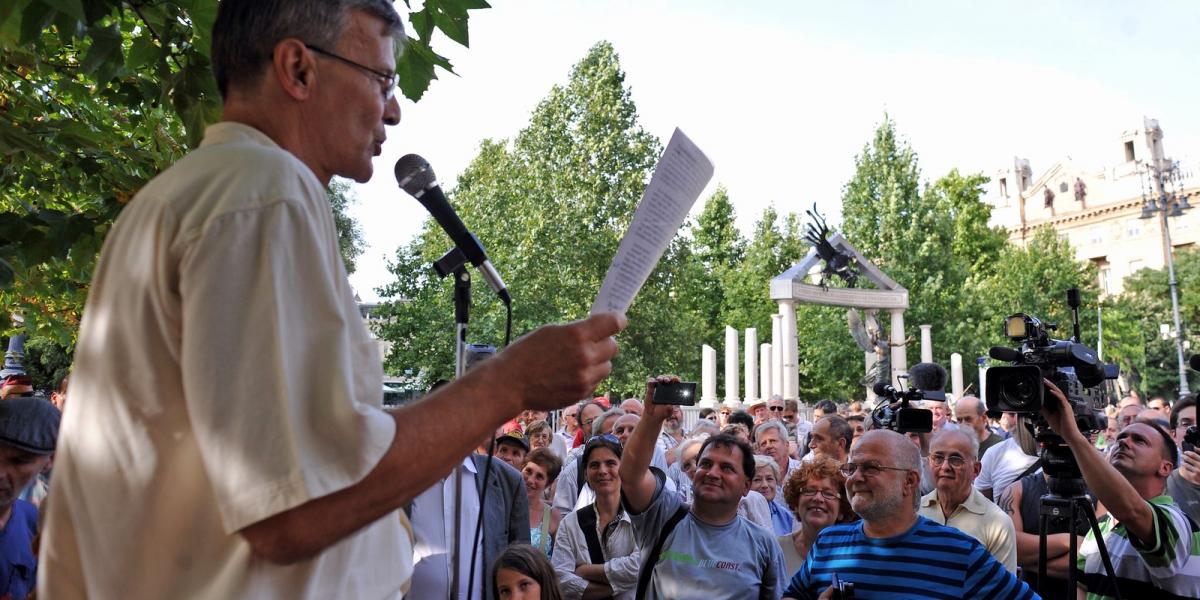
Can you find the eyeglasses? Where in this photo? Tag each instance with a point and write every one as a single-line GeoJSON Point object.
{"type": "Point", "coordinates": [955, 460]}
{"type": "Point", "coordinates": [810, 492]}
{"type": "Point", "coordinates": [870, 469]}
{"type": "Point", "coordinates": [775, 408]}
{"type": "Point", "coordinates": [711, 417]}
{"type": "Point", "coordinates": [388, 81]}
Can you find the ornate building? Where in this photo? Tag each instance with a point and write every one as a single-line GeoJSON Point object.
{"type": "Point", "coordinates": [1100, 212]}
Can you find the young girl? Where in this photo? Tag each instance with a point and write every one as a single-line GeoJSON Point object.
{"type": "Point", "coordinates": [523, 573]}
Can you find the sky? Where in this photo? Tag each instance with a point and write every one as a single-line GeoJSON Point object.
{"type": "Point", "coordinates": [782, 96]}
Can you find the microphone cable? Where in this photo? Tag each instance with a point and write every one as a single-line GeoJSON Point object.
{"type": "Point", "coordinates": [487, 468]}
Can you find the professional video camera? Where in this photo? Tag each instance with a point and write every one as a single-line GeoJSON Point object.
{"type": "Point", "coordinates": [893, 411]}
{"type": "Point", "coordinates": [1073, 367]}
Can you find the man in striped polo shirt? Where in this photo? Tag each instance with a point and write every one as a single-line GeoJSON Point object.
{"type": "Point", "coordinates": [894, 552]}
{"type": "Point", "coordinates": [1152, 544]}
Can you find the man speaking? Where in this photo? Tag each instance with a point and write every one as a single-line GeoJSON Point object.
{"type": "Point", "coordinates": [225, 438]}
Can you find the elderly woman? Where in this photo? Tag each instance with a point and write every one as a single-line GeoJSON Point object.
{"type": "Point", "coordinates": [816, 494]}
{"type": "Point", "coordinates": [540, 469]}
{"type": "Point", "coordinates": [766, 482]}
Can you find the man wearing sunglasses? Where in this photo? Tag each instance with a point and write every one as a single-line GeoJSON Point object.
{"type": "Point", "coordinates": [956, 503]}
{"type": "Point", "coordinates": [226, 437]}
{"type": "Point", "coordinates": [894, 552]}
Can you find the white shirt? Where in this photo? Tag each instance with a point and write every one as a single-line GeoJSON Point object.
{"type": "Point", "coordinates": [433, 514]}
{"type": "Point", "coordinates": [1000, 466]}
{"type": "Point", "coordinates": [223, 375]}
{"type": "Point", "coordinates": [622, 559]}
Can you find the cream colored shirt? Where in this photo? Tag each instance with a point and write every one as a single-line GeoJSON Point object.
{"type": "Point", "coordinates": [979, 518]}
{"type": "Point", "coordinates": [223, 375]}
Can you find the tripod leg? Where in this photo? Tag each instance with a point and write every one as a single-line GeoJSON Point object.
{"type": "Point", "coordinates": [1073, 551]}
{"type": "Point", "coordinates": [1043, 522]}
{"type": "Point", "coordinates": [1108, 568]}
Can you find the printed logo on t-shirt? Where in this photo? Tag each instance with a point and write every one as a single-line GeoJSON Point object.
{"type": "Point", "coordinates": [688, 559]}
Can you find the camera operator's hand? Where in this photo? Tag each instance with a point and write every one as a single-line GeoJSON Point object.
{"type": "Point", "coordinates": [1058, 413]}
{"type": "Point", "coordinates": [657, 412]}
{"type": "Point", "coordinates": [1189, 467]}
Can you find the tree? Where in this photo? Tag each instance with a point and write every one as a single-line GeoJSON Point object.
{"type": "Point", "coordinates": [552, 206]}
{"type": "Point", "coordinates": [350, 240]}
{"type": "Point", "coordinates": [1132, 323]}
{"type": "Point", "coordinates": [97, 97]}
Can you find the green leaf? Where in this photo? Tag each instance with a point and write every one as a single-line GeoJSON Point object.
{"type": "Point", "coordinates": [466, 4]}
{"type": "Point", "coordinates": [37, 16]}
{"type": "Point", "coordinates": [415, 70]}
{"type": "Point", "coordinates": [422, 22]}
{"type": "Point", "coordinates": [454, 26]}
{"type": "Point", "coordinates": [74, 8]}
{"type": "Point", "coordinates": [142, 52]}
{"type": "Point", "coordinates": [106, 41]}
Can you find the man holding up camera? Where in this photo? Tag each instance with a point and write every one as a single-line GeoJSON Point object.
{"type": "Point", "coordinates": [708, 551]}
{"type": "Point", "coordinates": [1151, 542]}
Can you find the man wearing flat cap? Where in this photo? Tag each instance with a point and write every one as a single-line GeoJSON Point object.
{"type": "Point", "coordinates": [28, 432]}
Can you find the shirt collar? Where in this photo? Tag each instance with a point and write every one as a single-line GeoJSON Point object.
{"type": "Point", "coordinates": [975, 503]}
{"type": "Point", "coordinates": [231, 131]}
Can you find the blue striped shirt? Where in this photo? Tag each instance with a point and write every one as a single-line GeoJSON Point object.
{"type": "Point", "coordinates": [927, 561]}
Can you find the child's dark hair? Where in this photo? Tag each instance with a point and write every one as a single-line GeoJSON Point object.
{"type": "Point", "coordinates": [528, 561]}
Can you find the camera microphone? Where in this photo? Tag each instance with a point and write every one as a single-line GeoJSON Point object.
{"type": "Point", "coordinates": [883, 389]}
{"type": "Point", "coordinates": [1005, 353]}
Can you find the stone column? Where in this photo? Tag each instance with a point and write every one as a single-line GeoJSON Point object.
{"type": "Point", "coordinates": [777, 349]}
{"type": "Point", "coordinates": [926, 343]}
{"type": "Point", "coordinates": [899, 357]}
{"type": "Point", "coordinates": [731, 364]}
{"type": "Point", "coordinates": [751, 365]}
{"type": "Point", "coordinates": [708, 376]}
{"type": "Point", "coordinates": [765, 361]}
{"type": "Point", "coordinates": [791, 368]}
{"type": "Point", "coordinates": [956, 376]}
{"type": "Point", "coordinates": [869, 360]}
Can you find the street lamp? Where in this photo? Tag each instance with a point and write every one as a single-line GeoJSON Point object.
{"type": "Point", "coordinates": [1165, 204]}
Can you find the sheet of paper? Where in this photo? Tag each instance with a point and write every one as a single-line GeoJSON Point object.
{"type": "Point", "coordinates": [680, 176]}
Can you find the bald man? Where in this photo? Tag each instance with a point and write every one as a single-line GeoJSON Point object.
{"type": "Point", "coordinates": [883, 477]}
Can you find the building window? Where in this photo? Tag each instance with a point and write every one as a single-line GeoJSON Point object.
{"type": "Point", "coordinates": [1133, 228]}
{"type": "Point", "coordinates": [1003, 187]}
{"type": "Point", "coordinates": [1106, 280]}
{"type": "Point", "coordinates": [1136, 265]}
{"type": "Point", "coordinates": [1096, 235]}
{"type": "Point", "coordinates": [1129, 151]}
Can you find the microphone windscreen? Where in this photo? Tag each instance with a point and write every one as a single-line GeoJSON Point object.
{"type": "Point", "coordinates": [1194, 361]}
{"type": "Point", "coordinates": [414, 174]}
{"type": "Point", "coordinates": [881, 388]}
{"type": "Point", "coordinates": [1005, 353]}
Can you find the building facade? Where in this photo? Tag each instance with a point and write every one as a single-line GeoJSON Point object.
{"type": "Point", "coordinates": [1100, 212]}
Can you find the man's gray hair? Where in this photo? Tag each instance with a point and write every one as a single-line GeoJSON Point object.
{"type": "Point", "coordinates": [776, 425]}
{"type": "Point", "coordinates": [683, 446]}
{"type": "Point", "coordinates": [245, 32]}
{"type": "Point", "coordinates": [598, 424]}
{"type": "Point", "coordinates": [964, 432]}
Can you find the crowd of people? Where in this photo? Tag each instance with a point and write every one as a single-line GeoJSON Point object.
{"type": "Point", "coordinates": [756, 500]}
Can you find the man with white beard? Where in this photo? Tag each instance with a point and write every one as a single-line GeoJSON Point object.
{"type": "Point", "coordinates": [882, 480]}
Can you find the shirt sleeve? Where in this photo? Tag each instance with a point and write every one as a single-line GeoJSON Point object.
{"type": "Point", "coordinates": [984, 480]}
{"type": "Point", "coordinates": [798, 586]}
{"type": "Point", "coordinates": [987, 578]}
{"type": "Point", "coordinates": [282, 392]}
{"type": "Point", "coordinates": [775, 572]}
{"type": "Point", "coordinates": [569, 548]}
{"type": "Point", "coordinates": [649, 522]}
{"type": "Point", "coordinates": [1170, 549]}
{"type": "Point", "coordinates": [622, 572]}
{"type": "Point", "coordinates": [565, 493]}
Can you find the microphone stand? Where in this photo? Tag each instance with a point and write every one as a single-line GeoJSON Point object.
{"type": "Point", "coordinates": [455, 263]}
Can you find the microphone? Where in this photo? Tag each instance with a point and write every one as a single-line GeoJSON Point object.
{"type": "Point", "coordinates": [1194, 361]}
{"type": "Point", "coordinates": [882, 388]}
{"type": "Point", "coordinates": [1005, 353]}
{"type": "Point", "coordinates": [416, 177]}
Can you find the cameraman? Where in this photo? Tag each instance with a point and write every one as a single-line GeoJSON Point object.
{"type": "Point", "coordinates": [1151, 542]}
{"type": "Point", "coordinates": [1184, 484]}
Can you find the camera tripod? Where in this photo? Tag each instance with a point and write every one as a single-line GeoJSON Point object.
{"type": "Point", "coordinates": [1076, 509]}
